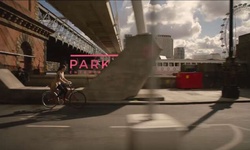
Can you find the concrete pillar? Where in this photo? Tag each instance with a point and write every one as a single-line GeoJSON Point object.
{"type": "Point", "coordinates": [125, 75]}
{"type": "Point", "coordinates": [139, 16]}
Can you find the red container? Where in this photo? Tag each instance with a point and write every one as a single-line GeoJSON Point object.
{"type": "Point", "coordinates": [189, 80]}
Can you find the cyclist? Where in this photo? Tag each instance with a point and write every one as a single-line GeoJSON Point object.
{"type": "Point", "coordinates": [60, 82]}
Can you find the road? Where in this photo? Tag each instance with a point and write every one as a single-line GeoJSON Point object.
{"type": "Point", "coordinates": [103, 127]}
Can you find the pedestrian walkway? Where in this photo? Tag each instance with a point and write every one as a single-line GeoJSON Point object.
{"type": "Point", "coordinates": [182, 96]}
{"type": "Point", "coordinates": [15, 92]}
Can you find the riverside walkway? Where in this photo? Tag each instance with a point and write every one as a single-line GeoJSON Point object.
{"type": "Point", "coordinates": [14, 91]}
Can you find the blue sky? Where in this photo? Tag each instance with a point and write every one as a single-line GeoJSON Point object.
{"type": "Point", "coordinates": [194, 25]}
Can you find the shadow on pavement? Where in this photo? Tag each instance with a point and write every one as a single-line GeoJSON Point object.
{"type": "Point", "coordinates": [57, 114]}
{"type": "Point", "coordinates": [216, 107]}
{"type": "Point", "coordinates": [21, 112]}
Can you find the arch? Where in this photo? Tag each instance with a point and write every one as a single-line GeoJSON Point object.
{"type": "Point", "coordinates": [25, 46]}
{"type": "Point", "coordinates": [27, 50]}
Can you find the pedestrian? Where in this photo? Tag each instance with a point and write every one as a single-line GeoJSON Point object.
{"type": "Point", "coordinates": [60, 82]}
{"type": "Point", "coordinates": [22, 75]}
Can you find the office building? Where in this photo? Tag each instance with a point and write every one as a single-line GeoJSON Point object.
{"type": "Point", "coordinates": [166, 43]}
{"type": "Point", "coordinates": [179, 53]}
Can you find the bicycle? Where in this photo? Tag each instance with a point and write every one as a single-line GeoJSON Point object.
{"type": "Point", "coordinates": [75, 98]}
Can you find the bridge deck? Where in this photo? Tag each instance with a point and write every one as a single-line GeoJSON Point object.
{"type": "Point", "coordinates": [95, 19]}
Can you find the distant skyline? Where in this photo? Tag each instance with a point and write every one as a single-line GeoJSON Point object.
{"type": "Point", "coordinates": [194, 25]}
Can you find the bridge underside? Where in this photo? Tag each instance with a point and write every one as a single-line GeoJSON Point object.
{"type": "Point", "coordinates": [60, 52]}
{"type": "Point", "coordinates": [94, 18]}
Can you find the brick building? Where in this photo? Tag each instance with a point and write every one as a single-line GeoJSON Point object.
{"type": "Point", "coordinates": [22, 37]}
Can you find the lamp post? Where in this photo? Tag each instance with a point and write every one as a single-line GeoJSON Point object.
{"type": "Point", "coordinates": [230, 85]}
{"type": "Point", "coordinates": [231, 11]}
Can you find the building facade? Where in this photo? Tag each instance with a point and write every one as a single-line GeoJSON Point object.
{"type": "Point", "coordinates": [243, 57]}
{"type": "Point", "coordinates": [243, 48]}
{"type": "Point", "coordinates": [166, 43]}
{"type": "Point", "coordinates": [179, 53]}
{"type": "Point", "coordinates": [125, 38]}
{"type": "Point", "coordinates": [22, 37]}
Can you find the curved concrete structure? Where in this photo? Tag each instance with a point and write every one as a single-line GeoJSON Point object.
{"type": "Point", "coordinates": [127, 74]}
{"type": "Point", "coordinates": [13, 91]}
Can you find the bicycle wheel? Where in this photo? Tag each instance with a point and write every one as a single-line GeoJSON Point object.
{"type": "Point", "coordinates": [77, 99]}
{"type": "Point", "coordinates": [49, 99]}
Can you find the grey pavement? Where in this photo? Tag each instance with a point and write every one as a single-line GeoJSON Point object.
{"type": "Point", "coordinates": [180, 96]}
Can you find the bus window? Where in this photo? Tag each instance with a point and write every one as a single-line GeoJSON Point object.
{"type": "Point", "coordinates": [159, 64]}
{"type": "Point", "coordinates": [165, 64]}
{"type": "Point", "coordinates": [176, 64]}
{"type": "Point", "coordinates": [171, 64]}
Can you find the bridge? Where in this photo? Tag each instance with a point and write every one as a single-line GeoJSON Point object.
{"type": "Point", "coordinates": [100, 26]}
{"type": "Point", "coordinates": [67, 34]}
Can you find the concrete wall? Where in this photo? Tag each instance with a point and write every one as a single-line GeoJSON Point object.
{"type": "Point", "coordinates": [44, 80]}
{"type": "Point", "coordinates": [13, 91]}
{"type": "Point", "coordinates": [127, 74]}
{"type": "Point", "coordinates": [83, 81]}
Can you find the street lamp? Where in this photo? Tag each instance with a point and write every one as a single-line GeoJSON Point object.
{"type": "Point", "coordinates": [230, 85]}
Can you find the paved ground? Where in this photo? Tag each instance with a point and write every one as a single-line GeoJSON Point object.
{"type": "Point", "coordinates": [182, 96]}
{"type": "Point", "coordinates": [219, 126]}
{"type": "Point", "coordinates": [169, 96]}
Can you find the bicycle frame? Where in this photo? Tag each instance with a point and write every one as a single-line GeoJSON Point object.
{"type": "Point", "coordinates": [73, 97]}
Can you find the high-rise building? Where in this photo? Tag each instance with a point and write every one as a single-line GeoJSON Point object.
{"type": "Point", "coordinates": [179, 53]}
{"type": "Point", "coordinates": [166, 43]}
{"type": "Point", "coordinates": [125, 38]}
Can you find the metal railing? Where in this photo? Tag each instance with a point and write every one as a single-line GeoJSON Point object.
{"type": "Point", "coordinates": [66, 33]}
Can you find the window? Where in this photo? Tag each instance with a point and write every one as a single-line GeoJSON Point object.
{"type": "Point", "coordinates": [165, 64]}
{"type": "Point", "coordinates": [159, 64]}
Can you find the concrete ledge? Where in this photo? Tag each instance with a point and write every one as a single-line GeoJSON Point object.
{"type": "Point", "coordinates": [13, 91]}
{"type": "Point", "coordinates": [26, 95]}
{"type": "Point", "coordinates": [44, 80]}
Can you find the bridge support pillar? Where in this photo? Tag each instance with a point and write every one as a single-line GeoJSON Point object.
{"type": "Point", "coordinates": [125, 75]}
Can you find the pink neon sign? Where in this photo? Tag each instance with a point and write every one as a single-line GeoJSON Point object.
{"type": "Point", "coordinates": [94, 64]}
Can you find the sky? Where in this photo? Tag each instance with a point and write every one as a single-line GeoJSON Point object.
{"type": "Point", "coordinates": [193, 24]}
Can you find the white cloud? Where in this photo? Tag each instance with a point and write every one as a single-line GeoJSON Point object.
{"type": "Point", "coordinates": [212, 10]}
{"type": "Point", "coordinates": [174, 18]}
{"type": "Point", "coordinates": [180, 20]}
{"type": "Point", "coordinates": [204, 45]}
{"type": "Point", "coordinates": [243, 29]}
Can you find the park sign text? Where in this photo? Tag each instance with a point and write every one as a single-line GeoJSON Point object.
{"type": "Point", "coordinates": [95, 65]}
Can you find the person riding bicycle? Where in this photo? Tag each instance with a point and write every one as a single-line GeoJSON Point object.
{"type": "Point", "coordinates": [60, 82]}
